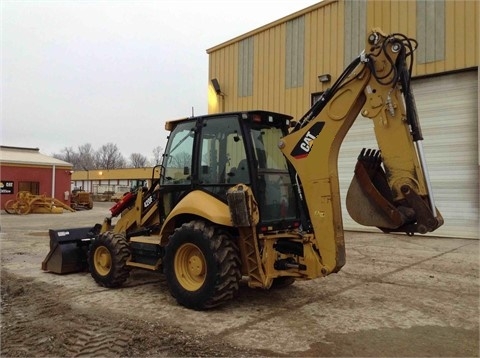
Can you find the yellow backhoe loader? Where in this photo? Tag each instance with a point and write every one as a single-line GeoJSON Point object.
{"type": "Point", "coordinates": [254, 195]}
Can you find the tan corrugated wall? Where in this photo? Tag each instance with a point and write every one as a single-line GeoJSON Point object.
{"type": "Point", "coordinates": [269, 92]}
{"type": "Point", "coordinates": [324, 52]}
{"type": "Point", "coordinates": [461, 30]}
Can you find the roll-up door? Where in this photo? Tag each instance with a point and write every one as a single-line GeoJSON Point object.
{"type": "Point", "coordinates": [448, 111]}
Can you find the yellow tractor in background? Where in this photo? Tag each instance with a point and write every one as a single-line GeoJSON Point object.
{"type": "Point", "coordinates": [81, 199]}
{"type": "Point", "coordinates": [254, 195]}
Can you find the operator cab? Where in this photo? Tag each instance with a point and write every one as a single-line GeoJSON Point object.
{"type": "Point", "coordinates": [215, 152]}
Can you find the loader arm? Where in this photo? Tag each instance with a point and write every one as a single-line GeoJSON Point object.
{"type": "Point", "coordinates": [391, 188]}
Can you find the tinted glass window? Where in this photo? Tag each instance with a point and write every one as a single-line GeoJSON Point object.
{"type": "Point", "coordinates": [275, 191]}
{"type": "Point", "coordinates": [178, 161]}
{"type": "Point", "coordinates": [222, 153]}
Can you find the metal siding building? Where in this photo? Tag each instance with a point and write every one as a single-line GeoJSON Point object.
{"type": "Point", "coordinates": [97, 181]}
{"type": "Point", "coordinates": [276, 67]}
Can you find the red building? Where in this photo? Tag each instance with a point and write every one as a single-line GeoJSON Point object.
{"type": "Point", "coordinates": [26, 169]}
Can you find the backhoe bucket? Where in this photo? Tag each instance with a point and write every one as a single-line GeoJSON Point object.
{"type": "Point", "coordinates": [369, 199]}
{"type": "Point", "coordinates": [69, 249]}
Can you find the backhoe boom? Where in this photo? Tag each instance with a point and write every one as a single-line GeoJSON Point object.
{"type": "Point", "coordinates": [390, 189]}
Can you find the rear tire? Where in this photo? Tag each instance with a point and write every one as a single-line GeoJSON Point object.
{"type": "Point", "coordinates": [107, 259]}
{"type": "Point", "coordinates": [202, 266]}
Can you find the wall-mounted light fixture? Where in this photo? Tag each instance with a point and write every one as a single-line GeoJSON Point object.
{"type": "Point", "coordinates": [325, 78]}
{"type": "Point", "coordinates": [216, 87]}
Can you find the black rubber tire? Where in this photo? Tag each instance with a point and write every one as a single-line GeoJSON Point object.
{"type": "Point", "coordinates": [221, 260]}
{"type": "Point", "coordinates": [113, 271]}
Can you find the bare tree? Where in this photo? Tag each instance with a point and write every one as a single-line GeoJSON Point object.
{"type": "Point", "coordinates": [86, 156]}
{"type": "Point", "coordinates": [157, 155]}
{"type": "Point", "coordinates": [68, 155]}
{"type": "Point", "coordinates": [138, 160]}
{"type": "Point", "coordinates": [109, 157]}
{"type": "Point", "coordinates": [180, 160]}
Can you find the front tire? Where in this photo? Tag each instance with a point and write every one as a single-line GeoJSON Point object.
{"type": "Point", "coordinates": [202, 266]}
{"type": "Point", "coordinates": [107, 259]}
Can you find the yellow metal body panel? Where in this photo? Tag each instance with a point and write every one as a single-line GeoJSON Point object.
{"type": "Point", "coordinates": [153, 239]}
{"type": "Point", "coordinates": [134, 218]}
{"type": "Point", "coordinates": [319, 174]}
{"type": "Point", "coordinates": [201, 204]}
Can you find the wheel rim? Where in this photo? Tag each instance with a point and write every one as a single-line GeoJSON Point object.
{"type": "Point", "coordinates": [190, 267]}
{"type": "Point", "coordinates": [102, 261]}
{"type": "Point", "coordinates": [10, 207]}
{"type": "Point", "coordinates": [22, 208]}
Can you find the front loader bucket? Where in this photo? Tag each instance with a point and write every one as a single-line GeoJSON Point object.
{"type": "Point", "coordinates": [69, 249]}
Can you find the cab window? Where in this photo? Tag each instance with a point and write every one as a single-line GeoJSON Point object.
{"type": "Point", "coordinates": [222, 153]}
{"type": "Point", "coordinates": [178, 161]}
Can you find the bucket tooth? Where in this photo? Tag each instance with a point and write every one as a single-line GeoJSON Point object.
{"type": "Point", "coordinates": [369, 200]}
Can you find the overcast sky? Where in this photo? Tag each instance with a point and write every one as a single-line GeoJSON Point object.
{"type": "Point", "coordinates": [76, 72]}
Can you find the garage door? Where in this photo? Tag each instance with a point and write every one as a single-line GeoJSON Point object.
{"type": "Point", "coordinates": [448, 111]}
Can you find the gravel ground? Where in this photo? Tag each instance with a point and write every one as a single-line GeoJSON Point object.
{"type": "Point", "coordinates": [397, 296]}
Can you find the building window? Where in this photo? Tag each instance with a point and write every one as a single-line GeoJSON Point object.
{"type": "Point", "coordinates": [354, 29]}
{"type": "Point", "coordinates": [31, 186]}
{"type": "Point", "coordinates": [245, 67]}
{"type": "Point", "coordinates": [295, 52]}
{"type": "Point", "coordinates": [430, 30]}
